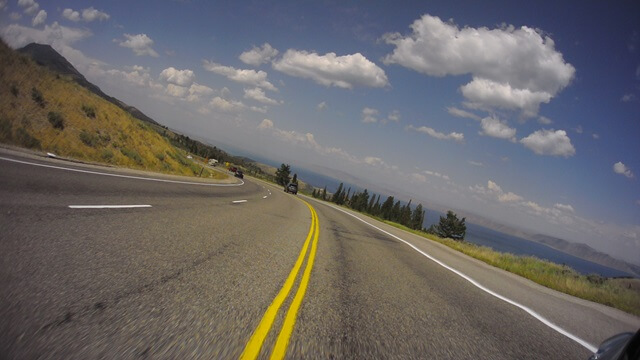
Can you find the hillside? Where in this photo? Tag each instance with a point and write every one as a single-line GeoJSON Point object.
{"type": "Point", "coordinates": [46, 56]}
{"type": "Point", "coordinates": [48, 111]}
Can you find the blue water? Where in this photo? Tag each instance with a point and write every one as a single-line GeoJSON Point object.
{"type": "Point", "coordinates": [506, 243]}
{"type": "Point", "coordinates": [502, 242]}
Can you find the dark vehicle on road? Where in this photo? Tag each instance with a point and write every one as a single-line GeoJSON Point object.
{"type": "Point", "coordinates": [291, 188]}
{"type": "Point", "coordinates": [239, 174]}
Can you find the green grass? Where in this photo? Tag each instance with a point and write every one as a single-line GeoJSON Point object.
{"type": "Point", "coordinates": [562, 278]}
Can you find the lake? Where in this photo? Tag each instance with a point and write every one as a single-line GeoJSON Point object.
{"type": "Point", "coordinates": [498, 241]}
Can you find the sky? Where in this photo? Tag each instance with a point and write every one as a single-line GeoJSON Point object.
{"type": "Point", "coordinates": [525, 113]}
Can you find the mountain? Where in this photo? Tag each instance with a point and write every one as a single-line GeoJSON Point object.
{"type": "Point", "coordinates": [45, 55]}
{"type": "Point", "coordinates": [585, 252]}
{"type": "Point", "coordinates": [580, 250]}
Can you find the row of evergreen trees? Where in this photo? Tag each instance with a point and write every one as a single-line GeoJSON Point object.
{"type": "Point", "coordinates": [390, 209]}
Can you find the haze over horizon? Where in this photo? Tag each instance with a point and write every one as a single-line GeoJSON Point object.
{"type": "Point", "coordinates": [526, 113]}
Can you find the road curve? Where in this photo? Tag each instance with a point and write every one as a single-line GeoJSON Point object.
{"type": "Point", "coordinates": [193, 274]}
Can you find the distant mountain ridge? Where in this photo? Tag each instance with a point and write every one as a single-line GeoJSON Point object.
{"type": "Point", "coordinates": [580, 250]}
{"type": "Point", "coordinates": [46, 56]}
{"type": "Point", "coordinates": [585, 252]}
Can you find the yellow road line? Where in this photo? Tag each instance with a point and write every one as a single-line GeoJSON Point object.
{"type": "Point", "coordinates": [252, 349]}
{"type": "Point", "coordinates": [280, 348]}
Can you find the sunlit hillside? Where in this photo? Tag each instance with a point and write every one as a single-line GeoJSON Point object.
{"type": "Point", "coordinates": [45, 111]}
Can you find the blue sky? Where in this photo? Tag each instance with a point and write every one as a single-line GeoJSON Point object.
{"type": "Point", "coordinates": [525, 113]}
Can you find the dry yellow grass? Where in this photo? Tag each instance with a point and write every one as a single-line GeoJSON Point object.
{"type": "Point", "coordinates": [111, 136]}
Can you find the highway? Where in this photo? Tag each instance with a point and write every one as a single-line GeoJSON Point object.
{"type": "Point", "coordinates": [184, 268]}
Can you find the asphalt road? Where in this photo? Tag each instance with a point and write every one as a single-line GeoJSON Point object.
{"type": "Point", "coordinates": [193, 275]}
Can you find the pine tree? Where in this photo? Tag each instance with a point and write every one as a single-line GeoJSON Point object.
{"type": "Point", "coordinates": [282, 174]}
{"type": "Point", "coordinates": [376, 208]}
{"type": "Point", "coordinates": [417, 218]}
{"type": "Point", "coordinates": [295, 179]}
{"type": "Point", "coordinates": [324, 193]}
{"type": "Point", "coordinates": [363, 200]}
{"type": "Point", "coordinates": [386, 208]}
{"type": "Point", "coordinates": [313, 194]}
{"type": "Point", "coordinates": [451, 227]}
{"type": "Point", "coordinates": [345, 198]}
{"type": "Point", "coordinates": [370, 205]}
{"type": "Point", "coordinates": [395, 212]}
{"type": "Point", "coordinates": [337, 195]}
{"type": "Point", "coordinates": [405, 214]}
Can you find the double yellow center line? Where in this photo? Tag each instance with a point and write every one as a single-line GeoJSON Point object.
{"type": "Point", "coordinates": [253, 347]}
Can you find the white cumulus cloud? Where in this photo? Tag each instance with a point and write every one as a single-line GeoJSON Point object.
{"type": "Point", "coordinates": [331, 70]}
{"type": "Point", "coordinates": [544, 120]}
{"type": "Point", "coordinates": [458, 137]}
{"type": "Point", "coordinates": [266, 124]}
{"type": "Point", "coordinates": [177, 91]}
{"type": "Point", "coordinates": [462, 113]}
{"type": "Point", "coordinates": [259, 55]}
{"type": "Point", "coordinates": [369, 115]}
{"type": "Point", "coordinates": [141, 44]}
{"type": "Point", "coordinates": [197, 91]}
{"type": "Point", "coordinates": [177, 77]}
{"type": "Point", "coordinates": [549, 142]}
{"type": "Point", "coordinates": [71, 14]}
{"type": "Point", "coordinates": [40, 18]}
{"type": "Point", "coordinates": [512, 68]}
{"type": "Point", "coordinates": [394, 116]}
{"type": "Point", "coordinates": [564, 207]}
{"type": "Point", "coordinates": [91, 14]}
{"type": "Point", "coordinates": [494, 127]}
{"type": "Point", "coordinates": [488, 94]}
{"type": "Point", "coordinates": [243, 76]}
{"type": "Point", "coordinates": [622, 169]}
{"type": "Point", "coordinates": [259, 95]}
{"type": "Point", "coordinates": [226, 105]}
{"type": "Point", "coordinates": [30, 6]}
{"type": "Point", "coordinates": [374, 161]}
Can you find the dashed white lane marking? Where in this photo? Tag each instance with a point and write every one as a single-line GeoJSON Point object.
{"type": "Point", "coordinates": [531, 312]}
{"type": "Point", "coordinates": [121, 176]}
{"type": "Point", "coordinates": [239, 201]}
{"type": "Point", "coordinates": [108, 206]}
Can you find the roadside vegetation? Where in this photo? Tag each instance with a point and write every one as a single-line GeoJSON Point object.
{"type": "Point", "coordinates": [623, 294]}
{"type": "Point", "coordinates": [44, 111]}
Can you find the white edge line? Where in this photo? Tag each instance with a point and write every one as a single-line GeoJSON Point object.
{"type": "Point", "coordinates": [239, 201]}
{"type": "Point", "coordinates": [117, 175]}
{"type": "Point", "coordinates": [108, 206]}
{"type": "Point", "coordinates": [531, 312]}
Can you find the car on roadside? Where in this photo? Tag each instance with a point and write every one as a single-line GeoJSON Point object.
{"type": "Point", "coordinates": [239, 174]}
{"type": "Point", "coordinates": [291, 188]}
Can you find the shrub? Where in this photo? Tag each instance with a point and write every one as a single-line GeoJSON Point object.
{"type": "Point", "coordinates": [90, 111]}
{"type": "Point", "coordinates": [105, 138]}
{"type": "Point", "coordinates": [36, 95]}
{"type": "Point", "coordinates": [132, 154]}
{"type": "Point", "coordinates": [5, 129]}
{"type": "Point", "coordinates": [25, 139]}
{"type": "Point", "coordinates": [56, 120]}
{"type": "Point", "coordinates": [14, 90]}
{"type": "Point", "coordinates": [160, 156]}
{"type": "Point", "coordinates": [89, 139]}
{"type": "Point", "coordinates": [107, 154]}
